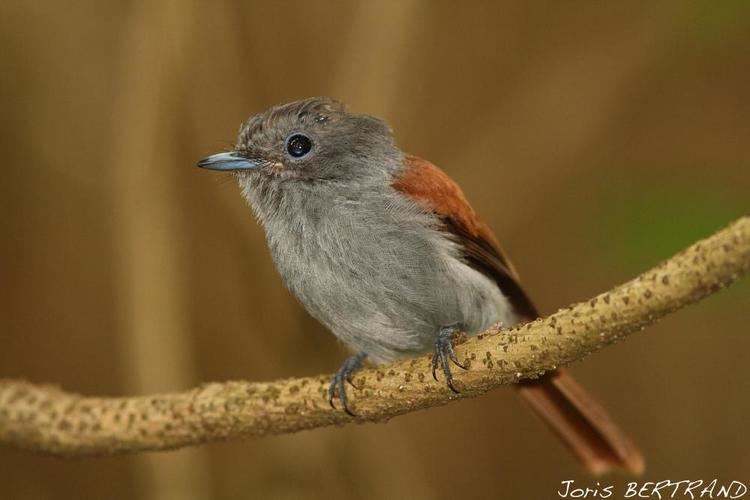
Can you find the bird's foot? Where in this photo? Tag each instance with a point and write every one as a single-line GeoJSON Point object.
{"type": "Point", "coordinates": [344, 375]}
{"type": "Point", "coordinates": [443, 352]}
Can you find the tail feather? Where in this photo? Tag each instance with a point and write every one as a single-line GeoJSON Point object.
{"type": "Point", "coordinates": [582, 424]}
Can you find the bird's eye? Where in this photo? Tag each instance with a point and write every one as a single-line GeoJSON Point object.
{"type": "Point", "coordinates": [298, 145]}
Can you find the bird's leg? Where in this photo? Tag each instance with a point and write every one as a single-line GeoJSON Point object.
{"type": "Point", "coordinates": [443, 352]}
{"type": "Point", "coordinates": [344, 375]}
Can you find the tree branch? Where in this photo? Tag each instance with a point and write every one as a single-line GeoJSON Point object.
{"type": "Point", "coordinates": [45, 418]}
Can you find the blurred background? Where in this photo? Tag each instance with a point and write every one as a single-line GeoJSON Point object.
{"type": "Point", "coordinates": [595, 138]}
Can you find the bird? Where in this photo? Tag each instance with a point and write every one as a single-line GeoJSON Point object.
{"type": "Point", "coordinates": [383, 248]}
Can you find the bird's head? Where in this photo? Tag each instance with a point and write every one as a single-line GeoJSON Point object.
{"type": "Point", "coordinates": [314, 140]}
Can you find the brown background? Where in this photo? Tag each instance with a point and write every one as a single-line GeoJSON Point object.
{"type": "Point", "coordinates": [595, 138]}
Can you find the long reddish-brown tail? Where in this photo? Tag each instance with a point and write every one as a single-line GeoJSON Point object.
{"type": "Point", "coordinates": [581, 423]}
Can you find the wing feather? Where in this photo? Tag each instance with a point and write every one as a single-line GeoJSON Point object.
{"type": "Point", "coordinates": [434, 190]}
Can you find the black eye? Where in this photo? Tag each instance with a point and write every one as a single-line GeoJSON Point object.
{"type": "Point", "coordinates": [298, 145]}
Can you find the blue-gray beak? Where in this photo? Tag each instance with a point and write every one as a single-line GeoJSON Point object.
{"type": "Point", "coordinates": [228, 162]}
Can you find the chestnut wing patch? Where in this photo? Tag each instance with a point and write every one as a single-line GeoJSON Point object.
{"type": "Point", "coordinates": [433, 189]}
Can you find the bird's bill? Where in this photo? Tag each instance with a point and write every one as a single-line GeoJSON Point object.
{"type": "Point", "coordinates": [228, 162]}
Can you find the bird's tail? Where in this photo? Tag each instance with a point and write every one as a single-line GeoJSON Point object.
{"type": "Point", "coordinates": [581, 423]}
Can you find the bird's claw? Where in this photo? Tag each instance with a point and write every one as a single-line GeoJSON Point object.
{"type": "Point", "coordinates": [443, 352]}
{"type": "Point", "coordinates": [344, 375]}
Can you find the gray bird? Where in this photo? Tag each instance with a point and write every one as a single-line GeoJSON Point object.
{"type": "Point", "coordinates": [384, 250]}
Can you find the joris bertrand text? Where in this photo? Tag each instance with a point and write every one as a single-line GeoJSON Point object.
{"type": "Point", "coordinates": [665, 489]}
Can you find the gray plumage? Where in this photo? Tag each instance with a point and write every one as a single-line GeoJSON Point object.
{"type": "Point", "coordinates": [365, 260]}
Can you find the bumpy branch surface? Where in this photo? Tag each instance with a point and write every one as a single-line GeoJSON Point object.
{"type": "Point", "coordinates": [45, 418]}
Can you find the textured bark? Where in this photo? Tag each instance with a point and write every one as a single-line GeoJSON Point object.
{"type": "Point", "coordinates": [47, 419]}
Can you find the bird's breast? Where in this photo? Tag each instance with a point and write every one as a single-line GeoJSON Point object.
{"type": "Point", "coordinates": [379, 274]}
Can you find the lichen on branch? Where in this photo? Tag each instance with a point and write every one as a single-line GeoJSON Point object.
{"type": "Point", "coordinates": [48, 419]}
